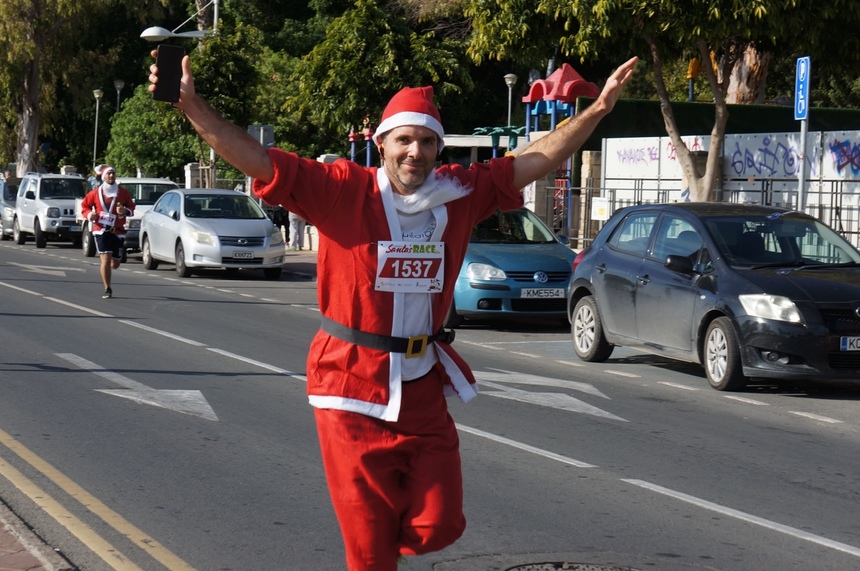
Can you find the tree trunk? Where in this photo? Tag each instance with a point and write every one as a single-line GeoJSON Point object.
{"type": "Point", "coordinates": [29, 118]}
{"type": "Point", "coordinates": [748, 79]}
{"type": "Point", "coordinates": [700, 185]}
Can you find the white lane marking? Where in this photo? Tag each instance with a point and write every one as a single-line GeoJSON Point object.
{"type": "Point", "coordinates": [746, 400]}
{"type": "Point", "coordinates": [22, 290]}
{"type": "Point", "coordinates": [526, 447]}
{"type": "Point", "coordinates": [526, 354]}
{"type": "Point", "coordinates": [621, 373]}
{"type": "Point", "coordinates": [677, 386]}
{"type": "Point", "coordinates": [816, 417]}
{"type": "Point", "coordinates": [571, 363]}
{"type": "Point", "coordinates": [185, 401]}
{"type": "Point", "coordinates": [162, 333]}
{"type": "Point", "coordinates": [800, 534]}
{"type": "Point", "coordinates": [258, 363]}
{"type": "Point", "coordinates": [79, 307]}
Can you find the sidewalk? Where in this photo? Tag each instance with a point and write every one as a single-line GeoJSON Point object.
{"type": "Point", "coordinates": [22, 550]}
{"type": "Point", "coordinates": [301, 264]}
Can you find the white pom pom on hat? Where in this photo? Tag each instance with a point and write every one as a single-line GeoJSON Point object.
{"type": "Point", "coordinates": [411, 106]}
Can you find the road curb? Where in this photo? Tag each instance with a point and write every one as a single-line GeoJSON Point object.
{"type": "Point", "coordinates": [42, 557]}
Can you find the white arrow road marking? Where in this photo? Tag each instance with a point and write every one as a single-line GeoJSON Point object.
{"type": "Point", "coordinates": [47, 270]}
{"type": "Point", "coordinates": [185, 401]}
{"type": "Point", "coordinates": [503, 376]}
{"type": "Point", "coordinates": [553, 400]}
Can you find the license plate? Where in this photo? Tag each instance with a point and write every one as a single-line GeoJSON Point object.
{"type": "Point", "coordinates": [243, 255]}
{"type": "Point", "coordinates": [849, 344]}
{"type": "Point", "coordinates": [74, 228]}
{"type": "Point", "coordinates": [542, 292]}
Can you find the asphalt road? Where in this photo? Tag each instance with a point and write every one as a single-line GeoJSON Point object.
{"type": "Point", "coordinates": [167, 428]}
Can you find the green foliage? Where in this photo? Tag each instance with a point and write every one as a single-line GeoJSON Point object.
{"type": "Point", "coordinates": [151, 136]}
{"type": "Point", "coordinates": [368, 54]}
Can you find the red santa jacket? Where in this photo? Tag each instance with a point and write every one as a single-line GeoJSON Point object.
{"type": "Point", "coordinates": [91, 200]}
{"type": "Point", "coordinates": [346, 204]}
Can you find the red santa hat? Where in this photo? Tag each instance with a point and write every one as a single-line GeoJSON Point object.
{"type": "Point", "coordinates": [411, 106]}
{"type": "Point", "coordinates": [105, 169]}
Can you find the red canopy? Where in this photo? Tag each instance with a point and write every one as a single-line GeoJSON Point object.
{"type": "Point", "coordinates": [564, 84]}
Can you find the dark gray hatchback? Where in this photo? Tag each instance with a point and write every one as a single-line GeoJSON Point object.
{"type": "Point", "coordinates": [746, 291]}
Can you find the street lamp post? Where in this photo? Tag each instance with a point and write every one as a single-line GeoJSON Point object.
{"type": "Point", "coordinates": [158, 34]}
{"type": "Point", "coordinates": [510, 81]}
{"type": "Point", "coordinates": [98, 94]}
{"type": "Point", "coordinates": [118, 84]}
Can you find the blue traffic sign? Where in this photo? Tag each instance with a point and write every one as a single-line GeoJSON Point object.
{"type": "Point", "coordinates": [801, 89]}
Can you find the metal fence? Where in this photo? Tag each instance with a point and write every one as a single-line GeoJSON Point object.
{"type": "Point", "coordinates": [568, 209]}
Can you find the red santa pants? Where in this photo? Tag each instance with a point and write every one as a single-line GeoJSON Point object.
{"type": "Point", "coordinates": [397, 487]}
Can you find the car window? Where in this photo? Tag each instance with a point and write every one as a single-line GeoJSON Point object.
{"type": "Point", "coordinates": [519, 226]}
{"type": "Point", "coordinates": [63, 188]}
{"type": "Point", "coordinates": [779, 239]}
{"type": "Point", "coordinates": [167, 203]}
{"type": "Point", "coordinates": [676, 236]}
{"type": "Point", "coordinates": [146, 194]}
{"type": "Point", "coordinates": [634, 232]}
{"type": "Point", "coordinates": [233, 206]}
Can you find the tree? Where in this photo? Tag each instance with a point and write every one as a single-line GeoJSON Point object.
{"type": "Point", "coordinates": [667, 30]}
{"type": "Point", "coordinates": [44, 44]}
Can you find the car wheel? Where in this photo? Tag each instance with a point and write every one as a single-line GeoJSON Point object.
{"type": "Point", "coordinates": [88, 243]}
{"type": "Point", "coordinates": [41, 239]}
{"type": "Point", "coordinates": [149, 262]}
{"type": "Point", "coordinates": [453, 319]}
{"type": "Point", "coordinates": [182, 270]}
{"type": "Point", "coordinates": [589, 343]}
{"type": "Point", "coordinates": [3, 235]}
{"type": "Point", "coordinates": [722, 356]}
{"type": "Point", "coordinates": [17, 235]}
{"type": "Point", "coordinates": [272, 273]}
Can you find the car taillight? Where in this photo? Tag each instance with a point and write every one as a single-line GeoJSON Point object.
{"type": "Point", "coordinates": [578, 259]}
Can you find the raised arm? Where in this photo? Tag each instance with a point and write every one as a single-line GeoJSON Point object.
{"type": "Point", "coordinates": [230, 141]}
{"type": "Point", "coordinates": [544, 155]}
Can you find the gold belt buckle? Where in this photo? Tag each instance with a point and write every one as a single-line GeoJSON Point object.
{"type": "Point", "coordinates": [421, 341]}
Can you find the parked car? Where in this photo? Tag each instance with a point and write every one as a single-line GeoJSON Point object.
{"type": "Point", "coordinates": [746, 291]}
{"type": "Point", "coordinates": [144, 191]}
{"type": "Point", "coordinates": [210, 228]}
{"type": "Point", "coordinates": [515, 266]}
{"type": "Point", "coordinates": [8, 194]}
{"type": "Point", "coordinates": [45, 207]}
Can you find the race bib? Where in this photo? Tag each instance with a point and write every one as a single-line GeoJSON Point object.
{"type": "Point", "coordinates": [106, 219]}
{"type": "Point", "coordinates": [410, 267]}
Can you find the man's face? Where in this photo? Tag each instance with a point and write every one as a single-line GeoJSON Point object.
{"type": "Point", "coordinates": [109, 177]}
{"type": "Point", "coordinates": [408, 156]}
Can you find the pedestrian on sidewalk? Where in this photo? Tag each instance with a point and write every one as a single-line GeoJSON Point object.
{"type": "Point", "coordinates": [392, 240]}
{"type": "Point", "coordinates": [297, 231]}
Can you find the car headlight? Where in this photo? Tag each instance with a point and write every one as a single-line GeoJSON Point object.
{"type": "Point", "coordinates": [134, 223]}
{"type": "Point", "coordinates": [276, 238]}
{"type": "Point", "coordinates": [8, 212]}
{"type": "Point", "coordinates": [774, 307]}
{"type": "Point", "coordinates": [202, 237]}
{"type": "Point", "coordinates": [484, 272]}
{"type": "Point", "coordinates": [53, 212]}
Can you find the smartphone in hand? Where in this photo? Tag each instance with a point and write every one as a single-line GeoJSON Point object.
{"type": "Point", "coordinates": [169, 61]}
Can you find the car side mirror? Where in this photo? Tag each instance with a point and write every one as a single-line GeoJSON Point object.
{"type": "Point", "coordinates": [174, 214]}
{"type": "Point", "coordinates": [680, 264]}
{"type": "Point", "coordinates": [30, 194]}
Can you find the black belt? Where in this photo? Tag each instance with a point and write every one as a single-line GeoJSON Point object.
{"type": "Point", "coordinates": [414, 346]}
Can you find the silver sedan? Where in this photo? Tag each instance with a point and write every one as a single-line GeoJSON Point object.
{"type": "Point", "coordinates": [210, 228]}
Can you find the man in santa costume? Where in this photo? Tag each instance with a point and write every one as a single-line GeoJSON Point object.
{"type": "Point", "coordinates": [106, 207]}
{"type": "Point", "coordinates": [392, 240]}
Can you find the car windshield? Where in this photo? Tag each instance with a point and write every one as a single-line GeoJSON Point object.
{"type": "Point", "coordinates": [236, 206]}
{"type": "Point", "coordinates": [145, 194]}
{"type": "Point", "coordinates": [514, 227]}
{"type": "Point", "coordinates": [780, 239]}
{"type": "Point", "coordinates": [63, 188]}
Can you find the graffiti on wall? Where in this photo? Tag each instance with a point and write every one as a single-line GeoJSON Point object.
{"type": "Point", "coordinates": [767, 156]}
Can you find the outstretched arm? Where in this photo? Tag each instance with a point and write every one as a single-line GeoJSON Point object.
{"type": "Point", "coordinates": [230, 141]}
{"type": "Point", "coordinates": [544, 155]}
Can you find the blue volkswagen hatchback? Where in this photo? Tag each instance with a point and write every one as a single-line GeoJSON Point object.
{"type": "Point", "coordinates": [515, 266]}
{"type": "Point", "coordinates": [747, 291]}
